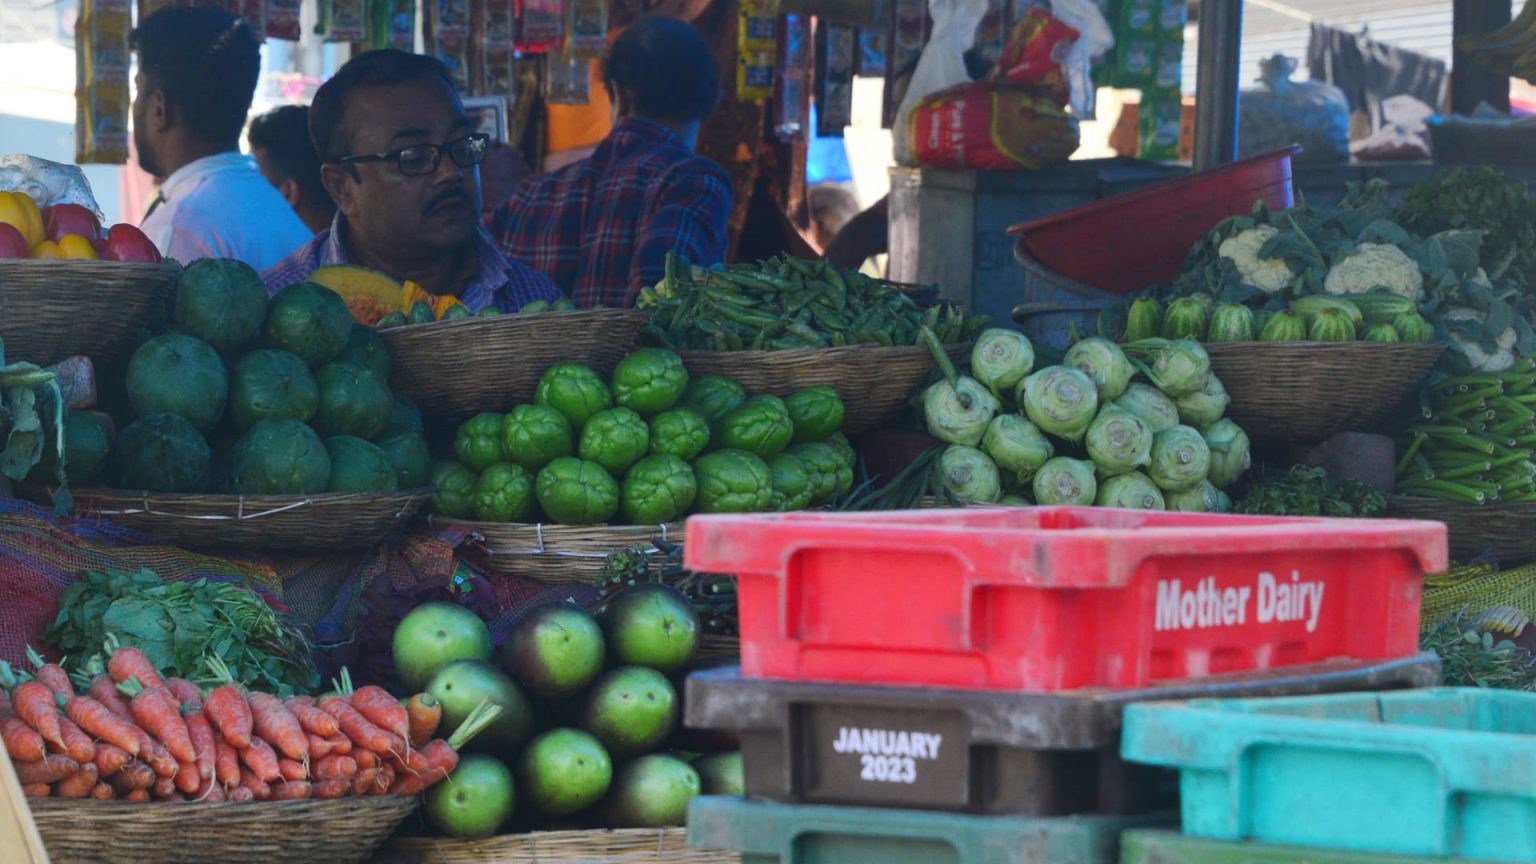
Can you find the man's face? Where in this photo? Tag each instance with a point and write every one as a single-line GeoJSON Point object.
{"type": "Point", "coordinates": [436, 213]}
{"type": "Point", "coordinates": [144, 135]}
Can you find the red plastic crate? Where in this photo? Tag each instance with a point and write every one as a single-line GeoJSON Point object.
{"type": "Point", "coordinates": [1130, 242]}
{"type": "Point", "coordinates": [1044, 599]}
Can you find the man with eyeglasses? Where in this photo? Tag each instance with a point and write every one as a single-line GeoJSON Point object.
{"type": "Point", "coordinates": [402, 164]}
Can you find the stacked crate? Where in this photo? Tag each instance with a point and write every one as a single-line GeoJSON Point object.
{"type": "Point", "coordinates": [949, 685]}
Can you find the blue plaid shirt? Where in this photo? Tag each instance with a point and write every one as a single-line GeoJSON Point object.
{"type": "Point", "coordinates": [504, 284]}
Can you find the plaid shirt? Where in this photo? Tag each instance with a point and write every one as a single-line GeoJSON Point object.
{"type": "Point", "coordinates": [506, 284]}
{"type": "Point", "coordinates": [602, 228]}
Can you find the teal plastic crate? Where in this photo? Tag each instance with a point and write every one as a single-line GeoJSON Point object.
{"type": "Point", "coordinates": [767, 833]}
{"type": "Point", "coordinates": [1168, 847]}
{"type": "Point", "coordinates": [1442, 772]}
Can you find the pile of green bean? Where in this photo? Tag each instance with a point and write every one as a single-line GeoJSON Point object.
{"type": "Point", "coordinates": [787, 303]}
{"type": "Point", "coordinates": [1477, 442]}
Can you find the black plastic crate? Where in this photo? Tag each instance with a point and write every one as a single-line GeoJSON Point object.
{"type": "Point", "coordinates": [981, 752]}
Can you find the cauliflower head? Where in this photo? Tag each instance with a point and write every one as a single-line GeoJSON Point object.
{"type": "Point", "coordinates": [1374, 264]}
{"type": "Point", "coordinates": [1480, 360]}
{"type": "Point", "coordinates": [1270, 275]}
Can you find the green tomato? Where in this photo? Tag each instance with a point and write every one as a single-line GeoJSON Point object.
{"type": "Point", "coordinates": [453, 490]}
{"type": "Point", "coordinates": [712, 397]}
{"type": "Point", "coordinates": [649, 381]}
{"type": "Point", "coordinates": [817, 412]}
{"type": "Point", "coordinates": [679, 433]}
{"type": "Point", "coordinates": [573, 492]}
{"type": "Point", "coordinates": [761, 425]}
{"type": "Point", "coordinates": [575, 391]}
{"type": "Point", "coordinates": [478, 442]}
{"type": "Point", "coordinates": [829, 476]}
{"type": "Point", "coordinates": [504, 493]}
{"type": "Point", "coordinates": [533, 435]}
{"type": "Point", "coordinates": [614, 439]}
{"type": "Point", "coordinates": [733, 481]}
{"type": "Point", "coordinates": [658, 489]}
{"type": "Point", "coordinates": [791, 482]}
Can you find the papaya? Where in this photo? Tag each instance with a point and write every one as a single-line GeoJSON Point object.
{"type": "Point", "coordinates": [370, 295]}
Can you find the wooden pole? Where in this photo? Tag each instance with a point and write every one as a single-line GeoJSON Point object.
{"type": "Point", "coordinates": [1471, 84]}
{"type": "Point", "coordinates": [1216, 71]}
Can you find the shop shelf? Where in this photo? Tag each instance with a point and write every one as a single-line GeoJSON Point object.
{"type": "Point", "coordinates": [1047, 599]}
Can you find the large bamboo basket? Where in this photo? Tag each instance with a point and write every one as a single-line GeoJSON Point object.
{"type": "Point", "coordinates": [266, 522]}
{"type": "Point", "coordinates": [51, 309]}
{"type": "Point", "coordinates": [1307, 391]}
{"type": "Point", "coordinates": [628, 846]}
{"type": "Point", "coordinates": [554, 554]}
{"type": "Point", "coordinates": [342, 831]}
{"type": "Point", "coordinates": [461, 367]}
{"type": "Point", "coordinates": [875, 382]}
{"type": "Point", "coordinates": [1509, 530]}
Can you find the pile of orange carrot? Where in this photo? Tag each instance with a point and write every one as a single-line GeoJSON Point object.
{"type": "Point", "coordinates": [134, 736]}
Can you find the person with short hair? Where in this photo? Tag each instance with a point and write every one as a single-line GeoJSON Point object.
{"type": "Point", "coordinates": [602, 227]}
{"type": "Point", "coordinates": [280, 145]}
{"type": "Point", "coordinates": [401, 160]}
{"type": "Point", "coordinates": [197, 74]}
{"type": "Point", "coordinates": [830, 206]}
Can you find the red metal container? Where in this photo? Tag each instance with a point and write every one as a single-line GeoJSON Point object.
{"type": "Point", "coordinates": [1045, 599]}
{"type": "Point", "coordinates": [1130, 242]}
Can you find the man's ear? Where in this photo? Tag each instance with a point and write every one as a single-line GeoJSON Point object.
{"type": "Point", "coordinates": [338, 181]}
{"type": "Point", "coordinates": [158, 113]}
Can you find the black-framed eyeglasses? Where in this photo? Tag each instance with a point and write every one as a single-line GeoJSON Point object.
{"type": "Point", "coordinates": [421, 159]}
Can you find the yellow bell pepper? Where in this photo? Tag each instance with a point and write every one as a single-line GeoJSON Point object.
{"type": "Point", "coordinates": [411, 294]}
{"type": "Point", "coordinates": [76, 248]}
{"type": "Point", "coordinates": [47, 249]}
{"type": "Point", "coordinates": [18, 210]}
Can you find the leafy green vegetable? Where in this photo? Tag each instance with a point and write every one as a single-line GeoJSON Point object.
{"type": "Point", "coordinates": [22, 433]}
{"type": "Point", "coordinates": [1479, 199]}
{"type": "Point", "coordinates": [1473, 658]}
{"type": "Point", "coordinates": [179, 626]}
{"type": "Point", "coordinates": [1304, 491]}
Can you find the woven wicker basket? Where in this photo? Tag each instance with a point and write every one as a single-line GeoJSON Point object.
{"type": "Point", "coordinates": [876, 382]}
{"type": "Point", "coordinates": [719, 646]}
{"type": "Point", "coordinates": [50, 310]}
{"type": "Point", "coordinates": [266, 522]}
{"type": "Point", "coordinates": [1307, 391]}
{"type": "Point", "coordinates": [629, 846]}
{"type": "Point", "coordinates": [286, 832]}
{"type": "Point", "coordinates": [1509, 530]}
{"type": "Point", "coordinates": [462, 367]}
{"type": "Point", "coordinates": [555, 554]}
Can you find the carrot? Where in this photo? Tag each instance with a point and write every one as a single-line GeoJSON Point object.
{"type": "Point", "coordinates": [137, 796]}
{"type": "Point", "coordinates": [425, 714]}
{"type": "Point", "coordinates": [157, 711]}
{"type": "Point", "coordinates": [36, 704]}
{"type": "Point", "coordinates": [383, 710]}
{"type": "Point", "coordinates": [275, 723]}
{"type": "Point", "coordinates": [110, 759]}
{"type": "Point", "coordinates": [78, 745]}
{"type": "Point", "coordinates": [292, 769]}
{"type": "Point", "coordinates": [257, 786]}
{"type": "Point", "coordinates": [362, 784]}
{"type": "Point", "coordinates": [103, 791]}
{"type": "Point", "coordinates": [154, 754]}
{"type": "Point", "coordinates": [49, 769]}
{"type": "Point", "coordinates": [335, 768]}
{"type": "Point", "coordinates": [383, 781]}
{"type": "Point", "coordinates": [408, 763]}
{"type": "Point", "coordinates": [240, 795]}
{"type": "Point", "coordinates": [52, 675]}
{"type": "Point", "coordinates": [314, 721]}
{"type": "Point", "coordinates": [96, 719]}
{"type": "Point", "coordinates": [186, 778]}
{"type": "Point", "coordinates": [104, 690]}
{"type": "Point", "coordinates": [127, 662]}
{"type": "Point", "coordinates": [262, 760]}
{"type": "Point", "coordinates": [230, 714]}
{"type": "Point", "coordinates": [36, 790]}
{"type": "Point", "coordinates": [21, 741]}
{"type": "Point", "coordinates": [327, 789]}
{"type": "Point", "coordinates": [185, 692]}
{"type": "Point", "coordinates": [212, 793]}
{"type": "Point", "coordinates": [357, 727]}
{"type": "Point", "coordinates": [441, 756]}
{"type": "Point", "coordinates": [164, 788]}
{"type": "Point", "coordinates": [226, 763]}
{"type": "Point", "coordinates": [201, 733]}
{"type": "Point", "coordinates": [341, 745]}
{"type": "Point", "coordinates": [366, 758]}
{"type": "Point", "coordinates": [79, 784]}
{"type": "Point", "coordinates": [134, 775]}
{"type": "Point", "coordinates": [319, 748]}
{"type": "Point", "coordinates": [298, 790]}
{"type": "Point", "coordinates": [407, 785]}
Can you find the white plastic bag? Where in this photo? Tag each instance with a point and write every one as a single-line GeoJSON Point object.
{"type": "Point", "coordinates": [942, 64]}
{"type": "Point", "coordinates": [48, 183]}
{"type": "Point", "coordinates": [1281, 112]}
{"type": "Point", "coordinates": [1094, 40]}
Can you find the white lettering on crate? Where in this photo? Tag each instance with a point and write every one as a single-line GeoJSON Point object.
{"type": "Point", "coordinates": [1204, 605]}
{"type": "Point", "coordinates": [887, 755]}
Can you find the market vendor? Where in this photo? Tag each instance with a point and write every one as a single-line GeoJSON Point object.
{"type": "Point", "coordinates": [197, 73]}
{"type": "Point", "coordinates": [401, 161]}
{"type": "Point", "coordinates": [282, 149]}
{"type": "Point", "coordinates": [602, 227]}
